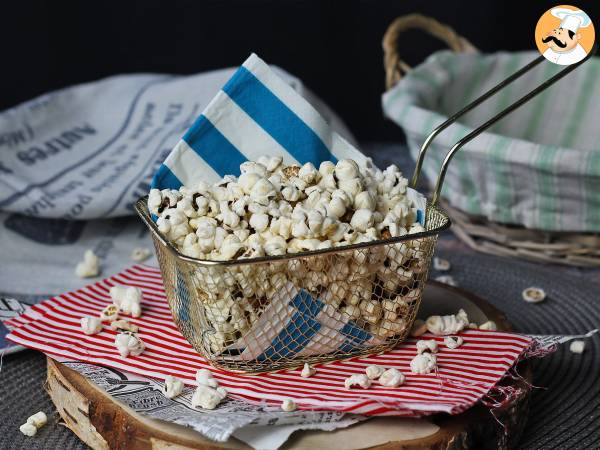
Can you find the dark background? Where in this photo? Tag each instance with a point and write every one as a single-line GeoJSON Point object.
{"type": "Point", "coordinates": [334, 46]}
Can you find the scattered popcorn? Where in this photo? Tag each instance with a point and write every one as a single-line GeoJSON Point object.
{"type": "Point", "coordinates": [490, 325]}
{"type": "Point", "coordinates": [392, 378]}
{"type": "Point", "coordinates": [577, 347]}
{"type": "Point", "coordinates": [110, 313]}
{"type": "Point", "coordinates": [472, 326]}
{"type": "Point", "coordinates": [205, 377]}
{"type": "Point", "coordinates": [444, 325]}
{"type": "Point", "coordinates": [140, 254]}
{"type": "Point", "coordinates": [308, 371]}
{"type": "Point", "coordinates": [423, 363]}
{"type": "Point", "coordinates": [173, 387]}
{"type": "Point", "coordinates": [124, 325]}
{"type": "Point", "coordinates": [374, 372]}
{"type": "Point", "coordinates": [288, 405]}
{"type": "Point", "coordinates": [128, 299]}
{"type": "Point", "coordinates": [38, 420]}
{"type": "Point", "coordinates": [207, 397]}
{"type": "Point", "coordinates": [440, 264]}
{"type": "Point", "coordinates": [429, 345]}
{"type": "Point", "coordinates": [28, 429]}
{"type": "Point", "coordinates": [453, 342]}
{"type": "Point", "coordinates": [533, 295]}
{"type": "Point", "coordinates": [129, 344]}
{"type": "Point", "coordinates": [419, 328]}
{"type": "Point", "coordinates": [357, 380]}
{"type": "Point", "coordinates": [446, 279]}
{"type": "Point", "coordinates": [91, 325]}
{"type": "Point", "coordinates": [89, 267]}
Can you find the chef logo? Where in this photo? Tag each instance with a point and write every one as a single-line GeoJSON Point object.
{"type": "Point", "coordinates": [564, 35]}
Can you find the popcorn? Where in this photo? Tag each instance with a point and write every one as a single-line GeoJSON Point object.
{"type": "Point", "coordinates": [373, 372]}
{"type": "Point", "coordinates": [128, 299]}
{"type": "Point", "coordinates": [453, 342]}
{"type": "Point", "coordinates": [423, 363]}
{"type": "Point", "coordinates": [129, 344]}
{"type": "Point", "coordinates": [89, 267]}
{"type": "Point", "coordinates": [38, 420]}
{"type": "Point", "coordinates": [124, 325]}
{"type": "Point", "coordinates": [362, 219]}
{"type": "Point", "coordinates": [443, 265]}
{"type": "Point", "coordinates": [110, 313]}
{"type": "Point", "coordinates": [274, 209]}
{"type": "Point", "coordinates": [308, 371]}
{"type": "Point", "coordinates": [444, 325]}
{"type": "Point", "coordinates": [392, 378]}
{"type": "Point", "coordinates": [490, 325]}
{"type": "Point", "coordinates": [430, 346]}
{"type": "Point", "coordinates": [207, 397]}
{"type": "Point", "coordinates": [91, 325]}
{"type": "Point", "coordinates": [28, 429]}
{"type": "Point", "coordinates": [288, 405]}
{"type": "Point", "coordinates": [205, 377]}
{"type": "Point", "coordinates": [140, 254]}
{"type": "Point", "coordinates": [173, 387]}
{"type": "Point", "coordinates": [534, 295]}
{"type": "Point", "coordinates": [577, 347]}
{"type": "Point", "coordinates": [357, 380]}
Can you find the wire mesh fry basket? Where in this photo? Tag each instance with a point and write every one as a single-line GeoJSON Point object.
{"type": "Point", "coordinates": [271, 313]}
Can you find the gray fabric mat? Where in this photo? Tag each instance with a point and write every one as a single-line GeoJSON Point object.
{"type": "Point", "coordinates": [564, 412]}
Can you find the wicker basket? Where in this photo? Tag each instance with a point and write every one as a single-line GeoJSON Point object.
{"type": "Point", "coordinates": [271, 313]}
{"type": "Point", "coordinates": [537, 217]}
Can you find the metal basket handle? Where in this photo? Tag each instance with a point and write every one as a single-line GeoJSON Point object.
{"type": "Point", "coordinates": [477, 131]}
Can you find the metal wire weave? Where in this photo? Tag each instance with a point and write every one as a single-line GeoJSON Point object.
{"type": "Point", "coordinates": [272, 313]}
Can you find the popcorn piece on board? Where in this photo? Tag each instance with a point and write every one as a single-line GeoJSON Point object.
{"type": "Point", "coordinates": [308, 370]}
{"type": "Point", "coordinates": [490, 325]}
{"type": "Point", "coordinates": [207, 397]}
{"type": "Point", "coordinates": [446, 279]}
{"type": "Point", "coordinates": [357, 380]}
{"type": "Point", "coordinates": [140, 254]}
{"type": "Point", "coordinates": [453, 342]}
{"type": "Point", "coordinates": [128, 299]}
{"type": "Point", "coordinates": [444, 325]}
{"type": "Point", "coordinates": [28, 429]}
{"type": "Point", "coordinates": [533, 295]}
{"type": "Point", "coordinates": [374, 372]}
{"type": "Point", "coordinates": [129, 344]}
{"type": "Point", "coordinates": [440, 264]}
{"type": "Point", "coordinates": [423, 363]}
{"type": "Point", "coordinates": [173, 387]}
{"type": "Point", "coordinates": [110, 313]}
{"type": "Point", "coordinates": [392, 378]}
{"type": "Point", "coordinates": [89, 267]}
{"type": "Point", "coordinates": [288, 405]}
{"type": "Point", "coordinates": [419, 328]}
{"type": "Point", "coordinates": [429, 345]}
{"type": "Point", "coordinates": [91, 325]}
{"type": "Point", "coordinates": [38, 420]}
{"type": "Point", "coordinates": [124, 325]}
{"type": "Point", "coordinates": [577, 347]}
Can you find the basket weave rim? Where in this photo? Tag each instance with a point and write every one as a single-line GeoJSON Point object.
{"type": "Point", "coordinates": [141, 207]}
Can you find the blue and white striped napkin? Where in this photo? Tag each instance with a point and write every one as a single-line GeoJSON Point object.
{"type": "Point", "coordinates": [256, 113]}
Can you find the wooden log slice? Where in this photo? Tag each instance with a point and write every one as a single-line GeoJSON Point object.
{"type": "Point", "coordinates": [103, 422]}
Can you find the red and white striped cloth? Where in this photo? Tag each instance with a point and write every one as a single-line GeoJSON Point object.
{"type": "Point", "coordinates": [464, 375]}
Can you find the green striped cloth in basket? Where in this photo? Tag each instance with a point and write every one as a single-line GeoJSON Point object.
{"type": "Point", "coordinates": [538, 167]}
